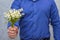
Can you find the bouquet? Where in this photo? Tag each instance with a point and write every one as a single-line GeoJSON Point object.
{"type": "Point", "coordinates": [13, 15]}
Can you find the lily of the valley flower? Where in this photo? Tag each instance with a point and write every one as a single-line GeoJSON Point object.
{"type": "Point", "coordinates": [13, 15]}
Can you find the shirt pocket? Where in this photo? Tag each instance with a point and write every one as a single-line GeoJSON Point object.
{"type": "Point", "coordinates": [27, 7]}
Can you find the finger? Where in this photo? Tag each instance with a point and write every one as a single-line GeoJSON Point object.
{"type": "Point", "coordinates": [15, 28]}
{"type": "Point", "coordinates": [12, 37]}
{"type": "Point", "coordinates": [10, 28]}
{"type": "Point", "coordinates": [11, 32]}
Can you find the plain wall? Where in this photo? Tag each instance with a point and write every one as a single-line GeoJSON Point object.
{"type": "Point", "coordinates": [4, 6]}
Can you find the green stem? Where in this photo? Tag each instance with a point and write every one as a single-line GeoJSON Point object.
{"type": "Point", "coordinates": [12, 25]}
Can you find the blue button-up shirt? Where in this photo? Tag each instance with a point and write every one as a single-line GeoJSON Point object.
{"type": "Point", "coordinates": [35, 23]}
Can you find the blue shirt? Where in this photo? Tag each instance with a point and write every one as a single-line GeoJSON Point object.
{"type": "Point", "coordinates": [35, 23]}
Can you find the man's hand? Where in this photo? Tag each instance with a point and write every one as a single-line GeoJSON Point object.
{"type": "Point", "coordinates": [12, 32]}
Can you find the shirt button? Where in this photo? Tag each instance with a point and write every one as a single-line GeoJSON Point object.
{"type": "Point", "coordinates": [34, 0]}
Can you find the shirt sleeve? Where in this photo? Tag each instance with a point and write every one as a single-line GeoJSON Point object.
{"type": "Point", "coordinates": [55, 21]}
{"type": "Point", "coordinates": [15, 5]}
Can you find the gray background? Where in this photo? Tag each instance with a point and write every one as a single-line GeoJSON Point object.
{"type": "Point", "coordinates": [4, 6]}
